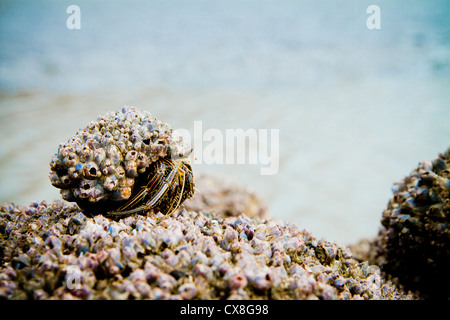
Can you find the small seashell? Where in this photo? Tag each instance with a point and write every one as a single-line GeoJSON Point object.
{"type": "Point", "coordinates": [131, 169]}
{"type": "Point", "coordinates": [131, 155]}
{"type": "Point", "coordinates": [166, 282]}
{"type": "Point", "coordinates": [91, 171]}
{"type": "Point", "coordinates": [188, 291]}
{"type": "Point", "coordinates": [142, 162]}
{"type": "Point", "coordinates": [99, 155]}
{"type": "Point", "coordinates": [238, 281]}
{"type": "Point", "coordinates": [86, 154]}
{"type": "Point", "coordinates": [230, 235]}
{"type": "Point", "coordinates": [143, 288]}
{"type": "Point", "coordinates": [70, 160]}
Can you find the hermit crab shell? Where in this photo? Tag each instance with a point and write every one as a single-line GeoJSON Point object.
{"type": "Point", "coordinates": [99, 166]}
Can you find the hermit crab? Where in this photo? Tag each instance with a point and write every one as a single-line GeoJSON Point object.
{"type": "Point", "coordinates": [123, 163]}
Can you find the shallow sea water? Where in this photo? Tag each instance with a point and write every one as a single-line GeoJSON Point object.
{"type": "Point", "coordinates": [356, 109]}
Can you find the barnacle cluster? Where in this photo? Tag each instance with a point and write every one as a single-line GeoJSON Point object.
{"type": "Point", "coordinates": [53, 251]}
{"type": "Point", "coordinates": [413, 244]}
{"type": "Point", "coordinates": [99, 166]}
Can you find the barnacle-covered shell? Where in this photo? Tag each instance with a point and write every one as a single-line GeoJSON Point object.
{"type": "Point", "coordinates": [97, 168]}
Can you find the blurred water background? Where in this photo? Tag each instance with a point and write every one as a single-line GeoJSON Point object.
{"type": "Point", "coordinates": [357, 109]}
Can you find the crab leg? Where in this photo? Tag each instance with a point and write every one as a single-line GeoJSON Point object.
{"type": "Point", "coordinates": [179, 195]}
{"type": "Point", "coordinates": [145, 190]}
{"type": "Point", "coordinates": [166, 182]}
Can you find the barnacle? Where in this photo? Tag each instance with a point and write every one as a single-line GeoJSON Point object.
{"type": "Point", "coordinates": [124, 162]}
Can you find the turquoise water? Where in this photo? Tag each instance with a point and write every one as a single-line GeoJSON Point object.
{"type": "Point", "coordinates": [356, 109]}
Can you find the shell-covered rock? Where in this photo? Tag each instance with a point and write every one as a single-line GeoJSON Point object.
{"type": "Point", "coordinates": [413, 244]}
{"type": "Point", "coordinates": [98, 166]}
{"type": "Point", "coordinates": [53, 251]}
